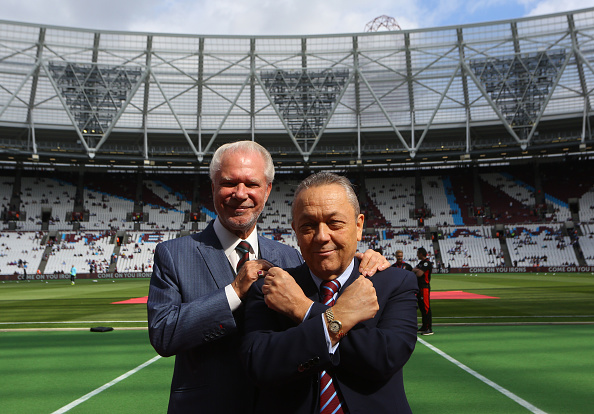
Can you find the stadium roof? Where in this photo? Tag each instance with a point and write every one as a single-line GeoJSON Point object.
{"type": "Point", "coordinates": [498, 90]}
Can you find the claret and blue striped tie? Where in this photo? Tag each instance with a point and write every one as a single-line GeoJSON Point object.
{"type": "Point", "coordinates": [243, 250]}
{"type": "Point", "coordinates": [329, 399]}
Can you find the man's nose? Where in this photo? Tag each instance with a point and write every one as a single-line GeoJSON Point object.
{"type": "Point", "coordinates": [322, 233]}
{"type": "Point", "coordinates": [240, 191]}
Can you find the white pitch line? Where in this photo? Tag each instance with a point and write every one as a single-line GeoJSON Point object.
{"type": "Point", "coordinates": [487, 381]}
{"type": "Point", "coordinates": [104, 387]}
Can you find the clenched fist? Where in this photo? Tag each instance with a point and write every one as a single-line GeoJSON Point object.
{"type": "Point", "coordinates": [251, 271]}
{"type": "Point", "coordinates": [282, 294]}
{"type": "Point", "coordinates": [356, 304]}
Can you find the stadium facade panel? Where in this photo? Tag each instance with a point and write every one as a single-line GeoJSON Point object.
{"type": "Point", "coordinates": [505, 89]}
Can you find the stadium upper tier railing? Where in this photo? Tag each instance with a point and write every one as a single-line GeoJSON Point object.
{"type": "Point", "coordinates": [501, 89]}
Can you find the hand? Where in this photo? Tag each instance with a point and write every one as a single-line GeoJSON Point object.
{"type": "Point", "coordinates": [371, 262]}
{"type": "Point", "coordinates": [356, 304]}
{"type": "Point", "coordinates": [251, 271]}
{"type": "Point", "coordinates": [283, 295]}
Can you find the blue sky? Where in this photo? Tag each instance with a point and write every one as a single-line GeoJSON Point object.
{"type": "Point", "coordinates": [271, 17]}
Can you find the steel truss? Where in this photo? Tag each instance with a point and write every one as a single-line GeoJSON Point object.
{"type": "Point", "coordinates": [403, 96]}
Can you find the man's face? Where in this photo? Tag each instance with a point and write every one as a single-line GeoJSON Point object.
{"type": "Point", "coordinates": [399, 257]}
{"type": "Point", "coordinates": [240, 191]}
{"type": "Point", "coordinates": [420, 256]}
{"type": "Point", "coordinates": [327, 229]}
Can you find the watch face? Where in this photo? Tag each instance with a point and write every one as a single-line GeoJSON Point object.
{"type": "Point", "coordinates": [335, 326]}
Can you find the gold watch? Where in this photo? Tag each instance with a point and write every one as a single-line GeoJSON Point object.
{"type": "Point", "coordinates": [335, 326]}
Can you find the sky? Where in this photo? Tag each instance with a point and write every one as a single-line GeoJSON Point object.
{"type": "Point", "coordinates": [271, 17]}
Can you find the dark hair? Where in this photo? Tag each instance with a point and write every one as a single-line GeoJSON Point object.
{"type": "Point", "coordinates": [422, 251]}
{"type": "Point", "coordinates": [327, 178]}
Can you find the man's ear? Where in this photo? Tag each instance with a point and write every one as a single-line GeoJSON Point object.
{"type": "Point", "coordinates": [360, 222]}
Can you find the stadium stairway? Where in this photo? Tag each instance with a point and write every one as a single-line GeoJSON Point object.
{"type": "Point", "coordinates": [116, 251]}
{"type": "Point", "coordinates": [437, 252]}
{"type": "Point", "coordinates": [579, 254]}
{"type": "Point", "coordinates": [46, 254]}
{"type": "Point", "coordinates": [505, 250]}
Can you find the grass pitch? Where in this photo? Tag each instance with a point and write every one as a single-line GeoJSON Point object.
{"type": "Point", "coordinates": [538, 362]}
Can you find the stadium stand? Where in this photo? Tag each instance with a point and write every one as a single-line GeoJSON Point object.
{"type": "Point", "coordinates": [277, 212]}
{"type": "Point", "coordinates": [587, 246]}
{"type": "Point", "coordinates": [471, 247]}
{"type": "Point", "coordinates": [137, 254]}
{"type": "Point", "coordinates": [18, 249]}
{"type": "Point", "coordinates": [537, 245]}
{"type": "Point", "coordinates": [40, 192]}
{"type": "Point", "coordinates": [527, 239]}
{"type": "Point", "coordinates": [107, 211]}
{"type": "Point", "coordinates": [444, 211]}
{"type": "Point", "coordinates": [81, 250]}
{"type": "Point", "coordinates": [165, 209]}
{"type": "Point", "coordinates": [394, 198]}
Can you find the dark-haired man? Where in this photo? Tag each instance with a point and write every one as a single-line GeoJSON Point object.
{"type": "Point", "coordinates": [423, 272]}
{"type": "Point", "coordinates": [322, 338]}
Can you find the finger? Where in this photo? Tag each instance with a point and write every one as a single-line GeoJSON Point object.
{"type": "Point", "coordinates": [264, 264]}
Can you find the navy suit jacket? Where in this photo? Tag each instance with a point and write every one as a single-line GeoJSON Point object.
{"type": "Point", "coordinates": [284, 359]}
{"type": "Point", "coordinates": [189, 317]}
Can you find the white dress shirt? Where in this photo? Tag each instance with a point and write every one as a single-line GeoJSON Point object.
{"type": "Point", "coordinates": [229, 241]}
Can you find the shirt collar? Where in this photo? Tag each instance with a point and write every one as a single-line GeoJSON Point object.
{"type": "Point", "coordinates": [342, 279]}
{"type": "Point", "coordinates": [229, 240]}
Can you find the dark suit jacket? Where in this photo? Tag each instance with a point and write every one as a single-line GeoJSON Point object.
{"type": "Point", "coordinates": [284, 359]}
{"type": "Point", "coordinates": [189, 317]}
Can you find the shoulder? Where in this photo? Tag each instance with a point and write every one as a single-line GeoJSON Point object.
{"type": "Point", "coordinates": [278, 253]}
{"type": "Point", "coordinates": [267, 243]}
{"type": "Point", "coordinates": [394, 277]}
{"type": "Point", "coordinates": [424, 264]}
{"type": "Point", "coordinates": [179, 245]}
{"type": "Point", "coordinates": [177, 242]}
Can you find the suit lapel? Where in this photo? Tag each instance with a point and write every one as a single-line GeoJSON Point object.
{"type": "Point", "coordinates": [305, 281]}
{"type": "Point", "coordinates": [354, 276]}
{"type": "Point", "coordinates": [214, 257]}
{"type": "Point", "coordinates": [269, 251]}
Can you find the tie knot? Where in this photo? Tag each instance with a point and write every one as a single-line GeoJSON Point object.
{"type": "Point", "coordinates": [243, 250]}
{"type": "Point", "coordinates": [328, 289]}
{"type": "Point", "coordinates": [243, 247]}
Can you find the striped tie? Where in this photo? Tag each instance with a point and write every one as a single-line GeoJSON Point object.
{"type": "Point", "coordinates": [329, 400]}
{"type": "Point", "coordinates": [243, 250]}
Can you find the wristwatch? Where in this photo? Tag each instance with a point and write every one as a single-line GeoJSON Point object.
{"type": "Point", "coordinates": [335, 326]}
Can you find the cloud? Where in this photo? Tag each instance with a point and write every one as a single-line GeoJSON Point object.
{"type": "Point", "coordinates": [269, 17]}
{"type": "Point", "coordinates": [105, 14]}
{"type": "Point", "coordinates": [537, 8]}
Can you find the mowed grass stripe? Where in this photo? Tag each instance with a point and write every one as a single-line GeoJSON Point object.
{"type": "Point", "coordinates": [547, 365]}
{"type": "Point", "coordinates": [95, 392]}
{"type": "Point", "coordinates": [484, 379]}
{"type": "Point", "coordinates": [44, 371]}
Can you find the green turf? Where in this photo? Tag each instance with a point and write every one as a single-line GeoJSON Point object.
{"type": "Point", "coordinates": [546, 365]}
{"type": "Point", "coordinates": [59, 301]}
{"type": "Point", "coordinates": [44, 371]}
{"type": "Point", "coordinates": [522, 298]}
